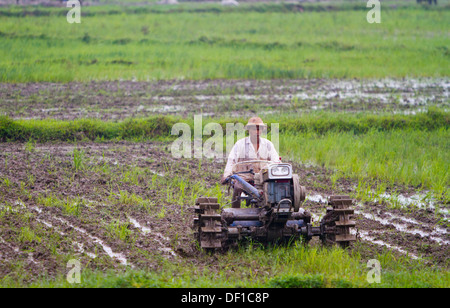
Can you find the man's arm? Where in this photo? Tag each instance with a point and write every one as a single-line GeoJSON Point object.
{"type": "Point", "coordinates": [230, 163]}
{"type": "Point", "coordinates": [273, 154]}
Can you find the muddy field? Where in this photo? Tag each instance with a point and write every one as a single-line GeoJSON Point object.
{"type": "Point", "coordinates": [123, 99]}
{"type": "Point", "coordinates": [118, 204]}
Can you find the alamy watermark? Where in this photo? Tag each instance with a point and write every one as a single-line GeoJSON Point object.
{"type": "Point", "coordinates": [374, 15]}
{"type": "Point", "coordinates": [74, 14]}
{"type": "Point", "coordinates": [74, 274]}
{"type": "Point", "coordinates": [374, 274]}
{"type": "Point", "coordinates": [183, 147]}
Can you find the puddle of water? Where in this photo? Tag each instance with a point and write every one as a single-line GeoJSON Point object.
{"type": "Point", "coordinates": [50, 110]}
{"type": "Point", "coordinates": [168, 250]}
{"type": "Point", "coordinates": [421, 201]}
{"type": "Point", "coordinates": [77, 244]}
{"type": "Point", "coordinates": [146, 231]}
{"type": "Point", "coordinates": [31, 259]}
{"type": "Point", "coordinates": [364, 235]}
{"type": "Point", "coordinates": [17, 250]}
{"type": "Point", "coordinates": [436, 229]}
{"type": "Point", "coordinates": [8, 208]}
{"type": "Point", "coordinates": [385, 91]}
{"type": "Point", "coordinates": [80, 247]}
{"type": "Point", "coordinates": [157, 173]}
{"type": "Point", "coordinates": [49, 225]}
{"type": "Point", "coordinates": [165, 109]}
{"type": "Point", "coordinates": [404, 228]}
{"type": "Point", "coordinates": [317, 198]}
{"type": "Point", "coordinates": [435, 235]}
{"type": "Point", "coordinates": [137, 225]}
{"type": "Point", "coordinates": [36, 209]}
{"type": "Point", "coordinates": [107, 249]}
{"type": "Point", "coordinates": [121, 258]}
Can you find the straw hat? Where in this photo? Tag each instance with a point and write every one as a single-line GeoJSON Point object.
{"type": "Point", "coordinates": [255, 121]}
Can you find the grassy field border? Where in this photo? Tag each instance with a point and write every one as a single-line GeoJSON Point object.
{"type": "Point", "coordinates": [158, 127]}
{"type": "Point", "coordinates": [405, 149]}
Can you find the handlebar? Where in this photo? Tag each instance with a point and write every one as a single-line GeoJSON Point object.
{"type": "Point", "coordinates": [248, 188]}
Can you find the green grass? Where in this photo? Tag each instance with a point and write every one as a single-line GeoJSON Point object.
{"type": "Point", "coordinates": [412, 157]}
{"type": "Point", "coordinates": [406, 149]}
{"type": "Point", "coordinates": [78, 159]}
{"type": "Point", "coordinates": [249, 42]}
{"type": "Point", "coordinates": [27, 235]}
{"type": "Point", "coordinates": [202, 42]}
{"type": "Point", "coordinates": [91, 129]}
{"type": "Point", "coordinates": [70, 206]}
{"type": "Point", "coordinates": [159, 127]}
{"type": "Point", "coordinates": [295, 266]}
{"type": "Point", "coordinates": [119, 230]}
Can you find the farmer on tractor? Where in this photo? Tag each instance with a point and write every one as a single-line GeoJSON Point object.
{"type": "Point", "coordinates": [252, 148]}
{"type": "Point", "coordinates": [274, 197]}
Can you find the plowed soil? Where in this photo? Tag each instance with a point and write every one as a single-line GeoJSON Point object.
{"type": "Point", "coordinates": [124, 99]}
{"type": "Point", "coordinates": [128, 204]}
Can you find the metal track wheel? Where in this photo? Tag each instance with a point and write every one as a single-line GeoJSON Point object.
{"type": "Point", "coordinates": [336, 224]}
{"type": "Point", "coordinates": [208, 224]}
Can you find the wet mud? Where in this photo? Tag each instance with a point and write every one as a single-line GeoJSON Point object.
{"type": "Point", "coordinates": [234, 98]}
{"type": "Point", "coordinates": [124, 208]}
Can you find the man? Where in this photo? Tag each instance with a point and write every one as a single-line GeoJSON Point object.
{"type": "Point", "coordinates": [253, 147]}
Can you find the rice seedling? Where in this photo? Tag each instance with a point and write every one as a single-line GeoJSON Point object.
{"type": "Point", "coordinates": [70, 206]}
{"type": "Point", "coordinates": [27, 235]}
{"type": "Point", "coordinates": [79, 161]}
{"type": "Point", "coordinates": [119, 230]}
{"type": "Point", "coordinates": [234, 48]}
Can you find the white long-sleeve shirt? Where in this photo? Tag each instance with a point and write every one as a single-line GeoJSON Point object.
{"type": "Point", "coordinates": [243, 150]}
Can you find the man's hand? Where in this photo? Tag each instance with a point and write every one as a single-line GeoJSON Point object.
{"type": "Point", "coordinates": [224, 180]}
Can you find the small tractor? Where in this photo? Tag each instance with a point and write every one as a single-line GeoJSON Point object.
{"type": "Point", "coordinates": [273, 213]}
